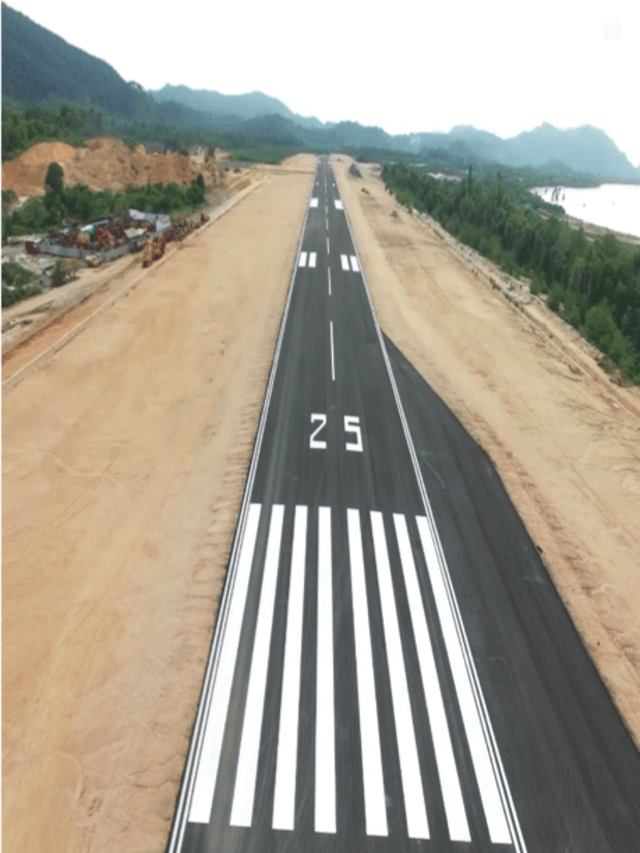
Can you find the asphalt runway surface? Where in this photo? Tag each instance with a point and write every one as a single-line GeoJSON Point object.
{"type": "Point", "coordinates": [391, 667]}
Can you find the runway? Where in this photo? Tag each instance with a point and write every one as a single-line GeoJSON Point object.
{"type": "Point", "coordinates": [391, 668]}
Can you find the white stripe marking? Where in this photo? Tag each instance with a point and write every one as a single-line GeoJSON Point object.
{"type": "Point", "coordinates": [327, 245]}
{"type": "Point", "coordinates": [375, 807]}
{"type": "Point", "coordinates": [325, 812]}
{"type": "Point", "coordinates": [244, 793]}
{"type": "Point", "coordinates": [285, 785]}
{"type": "Point", "coordinates": [344, 260]}
{"type": "Point", "coordinates": [449, 781]}
{"type": "Point", "coordinates": [489, 793]}
{"type": "Point", "coordinates": [303, 259]}
{"type": "Point", "coordinates": [326, 224]}
{"type": "Point", "coordinates": [333, 361]}
{"type": "Point", "coordinates": [417, 824]}
{"type": "Point", "coordinates": [339, 205]}
{"type": "Point", "coordinates": [329, 278]}
{"type": "Point", "coordinates": [314, 202]}
{"type": "Point", "coordinates": [200, 809]}
{"type": "Point", "coordinates": [354, 263]}
{"type": "Point", "coordinates": [312, 259]}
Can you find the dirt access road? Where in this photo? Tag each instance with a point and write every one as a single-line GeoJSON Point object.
{"type": "Point", "coordinates": [124, 460]}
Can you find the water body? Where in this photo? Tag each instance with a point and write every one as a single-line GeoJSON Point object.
{"type": "Point", "coordinates": [614, 206]}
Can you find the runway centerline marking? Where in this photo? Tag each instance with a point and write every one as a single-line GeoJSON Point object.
{"type": "Point", "coordinates": [333, 362]}
{"type": "Point", "coordinates": [244, 792]}
{"type": "Point", "coordinates": [327, 245]}
{"type": "Point", "coordinates": [329, 279]}
{"type": "Point", "coordinates": [285, 782]}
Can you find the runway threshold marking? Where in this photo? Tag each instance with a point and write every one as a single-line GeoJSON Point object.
{"type": "Point", "coordinates": [209, 758]}
{"type": "Point", "coordinates": [312, 259]}
{"type": "Point", "coordinates": [286, 764]}
{"type": "Point", "coordinates": [338, 204]}
{"type": "Point", "coordinates": [372, 778]}
{"type": "Point", "coordinates": [325, 779]}
{"type": "Point", "coordinates": [245, 785]}
{"type": "Point", "coordinates": [344, 260]}
{"type": "Point", "coordinates": [355, 266]}
{"type": "Point", "coordinates": [314, 202]}
{"type": "Point", "coordinates": [302, 261]}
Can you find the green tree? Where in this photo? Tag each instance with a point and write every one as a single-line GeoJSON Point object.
{"type": "Point", "coordinates": [54, 179]}
{"type": "Point", "coordinates": [59, 273]}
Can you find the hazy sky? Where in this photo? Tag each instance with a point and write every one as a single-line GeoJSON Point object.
{"type": "Point", "coordinates": [404, 65]}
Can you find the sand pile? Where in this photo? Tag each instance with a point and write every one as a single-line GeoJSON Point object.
{"type": "Point", "coordinates": [104, 163]}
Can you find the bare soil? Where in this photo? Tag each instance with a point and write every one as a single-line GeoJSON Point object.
{"type": "Point", "coordinates": [124, 459]}
{"type": "Point", "coordinates": [104, 163]}
{"type": "Point", "coordinates": [564, 438]}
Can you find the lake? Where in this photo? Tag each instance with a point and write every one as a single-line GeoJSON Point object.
{"type": "Point", "coordinates": [614, 206]}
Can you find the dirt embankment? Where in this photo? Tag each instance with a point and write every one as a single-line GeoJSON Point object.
{"type": "Point", "coordinates": [124, 460]}
{"type": "Point", "coordinates": [104, 163]}
{"type": "Point", "coordinates": [564, 439]}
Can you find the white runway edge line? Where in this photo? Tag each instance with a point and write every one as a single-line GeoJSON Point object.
{"type": "Point", "coordinates": [516, 837]}
{"type": "Point", "coordinates": [245, 787]}
{"type": "Point", "coordinates": [286, 764]}
{"type": "Point", "coordinates": [375, 807]}
{"type": "Point", "coordinates": [333, 360]}
{"type": "Point", "coordinates": [415, 811]}
{"type": "Point", "coordinates": [195, 757]}
{"type": "Point", "coordinates": [325, 792]}
{"type": "Point", "coordinates": [212, 745]}
{"type": "Point", "coordinates": [447, 771]}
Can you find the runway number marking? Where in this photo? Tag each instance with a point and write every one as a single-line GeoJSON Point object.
{"type": "Point", "coordinates": [352, 428]}
{"type": "Point", "coordinates": [314, 443]}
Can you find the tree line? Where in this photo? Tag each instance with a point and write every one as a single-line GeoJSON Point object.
{"type": "Point", "coordinates": [80, 204]}
{"type": "Point", "coordinates": [593, 284]}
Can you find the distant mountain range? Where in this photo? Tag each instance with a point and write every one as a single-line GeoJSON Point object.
{"type": "Point", "coordinates": [38, 66]}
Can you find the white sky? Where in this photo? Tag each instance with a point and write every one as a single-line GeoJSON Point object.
{"type": "Point", "coordinates": [405, 66]}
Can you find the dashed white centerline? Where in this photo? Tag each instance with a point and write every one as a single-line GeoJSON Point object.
{"type": "Point", "coordinates": [285, 783]}
{"type": "Point", "coordinates": [329, 280]}
{"type": "Point", "coordinates": [325, 806]}
{"type": "Point", "coordinates": [245, 787]}
{"type": "Point", "coordinates": [333, 362]}
{"type": "Point", "coordinates": [327, 245]}
{"type": "Point", "coordinates": [326, 224]}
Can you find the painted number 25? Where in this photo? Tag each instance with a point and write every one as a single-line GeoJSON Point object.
{"type": "Point", "coordinates": [351, 427]}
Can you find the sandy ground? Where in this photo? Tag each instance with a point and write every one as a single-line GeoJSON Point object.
{"type": "Point", "coordinates": [564, 438]}
{"type": "Point", "coordinates": [104, 163]}
{"type": "Point", "coordinates": [124, 458]}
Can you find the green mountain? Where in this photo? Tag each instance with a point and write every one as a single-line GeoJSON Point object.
{"type": "Point", "coordinates": [40, 68]}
